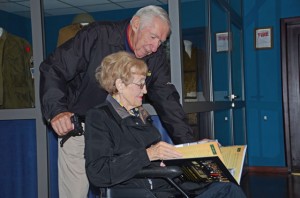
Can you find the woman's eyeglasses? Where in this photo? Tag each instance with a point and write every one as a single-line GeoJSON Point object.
{"type": "Point", "coordinates": [141, 86]}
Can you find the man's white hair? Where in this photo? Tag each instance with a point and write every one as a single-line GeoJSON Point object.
{"type": "Point", "coordinates": [147, 13]}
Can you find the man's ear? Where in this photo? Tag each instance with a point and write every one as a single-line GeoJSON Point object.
{"type": "Point", "coordinates": [135, 23]}
{"type": "Point", "coordinates": [119, 85]}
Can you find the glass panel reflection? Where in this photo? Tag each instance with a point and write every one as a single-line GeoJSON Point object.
{"type": "Point", "coordinates": [237, 63]}
{"type": "Point", "coordinates": [16, 68]}
{"type": "Point", "coordinates": [220, 47]}
{"type": "Point", "coordinates": [201, 125]}
{"type": "Point", "coordinates": [194, 42]}
{"type": "Point", "coordinates": [222, 128]}
{"type": "Point", "coordinates": [236, 5]}
{"type": "Point", "coordinates": [239, 126]}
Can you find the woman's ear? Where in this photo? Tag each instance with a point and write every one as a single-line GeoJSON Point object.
{"type": "Point", "coordinates": [119, 85]}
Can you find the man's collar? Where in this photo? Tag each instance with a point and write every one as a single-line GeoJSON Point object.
{"type": "Point", "coordinates": [127, 43]}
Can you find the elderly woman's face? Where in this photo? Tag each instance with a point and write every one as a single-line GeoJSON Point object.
{"type": "Point", "coordinates": [133, 93]}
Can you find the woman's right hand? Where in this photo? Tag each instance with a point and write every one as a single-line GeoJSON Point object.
{"type": "Point", "coordinates": [162, 151]}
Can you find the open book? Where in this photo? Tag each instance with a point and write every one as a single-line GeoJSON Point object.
{"type": "Point", "coordinates": [207, 161]}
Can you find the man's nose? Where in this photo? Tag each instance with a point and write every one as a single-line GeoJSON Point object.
{"type": "Point", "coordinates": [144, 89]}
{"type": "Point", "coordinates": [155, 45]}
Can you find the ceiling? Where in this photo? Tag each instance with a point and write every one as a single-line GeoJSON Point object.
{"type": "Point", "coordinates": [64, 7]}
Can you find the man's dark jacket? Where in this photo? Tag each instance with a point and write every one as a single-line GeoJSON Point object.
{"type": "Point", "coordinates": [68, 81]}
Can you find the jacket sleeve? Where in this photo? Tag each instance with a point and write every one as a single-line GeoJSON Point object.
{"type": "Point", "coordinates": [67, 62]}
{"type": "Point", "coordinates": [108, 161]}
{"type": "Point", "coordinates": [165, 99]}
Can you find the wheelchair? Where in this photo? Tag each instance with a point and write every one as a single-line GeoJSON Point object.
{"type": "Point", "coordinates": [169, 174]}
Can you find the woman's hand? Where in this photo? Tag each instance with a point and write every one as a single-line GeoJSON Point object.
{"type": "Point", "coordinates": [162, 151]}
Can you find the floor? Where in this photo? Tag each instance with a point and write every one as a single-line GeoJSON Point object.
{"type": "Point", "coordinates": [262, 185]}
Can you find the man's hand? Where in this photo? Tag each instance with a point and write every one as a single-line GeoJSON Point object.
{"type": "Point", "coordinates": [162, 151]}
{"type": "Point", "coordinates": [62, 124]}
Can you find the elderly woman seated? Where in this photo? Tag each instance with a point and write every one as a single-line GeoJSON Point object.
{"type": "Point", "coordinates": [120, 139]}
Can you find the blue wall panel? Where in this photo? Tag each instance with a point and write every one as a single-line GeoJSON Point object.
{"type": "Point", "coordinates": [263, 81]}
{"type": "Point", "coordinates": [18, 167]}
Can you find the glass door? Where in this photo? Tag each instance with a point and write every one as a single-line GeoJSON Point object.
{"type": "Point", "coordinates": [228, 73]}
{"type": "Point", "coordinates": [237, 81]}
{"type": "Point", "coordinates": [207, 67]}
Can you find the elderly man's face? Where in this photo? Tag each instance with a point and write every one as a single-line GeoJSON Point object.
{"type": "Point", "coordinates": [148, 39]}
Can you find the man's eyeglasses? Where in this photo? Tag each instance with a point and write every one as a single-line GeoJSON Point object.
{"type": "Point", "coordinates": [141, 86]}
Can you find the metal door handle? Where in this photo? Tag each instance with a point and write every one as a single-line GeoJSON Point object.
{"type": "Point", "coordinates": [232, 97]}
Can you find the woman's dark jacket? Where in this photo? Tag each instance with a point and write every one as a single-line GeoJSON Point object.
{"type": "Point", "coordinates": [116, 145]}
{"type": "Point", "coordinates": [67, 77]}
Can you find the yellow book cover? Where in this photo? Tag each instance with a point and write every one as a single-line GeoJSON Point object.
{"type": "Point", "coordinates": [207, 149]}
{"type": "Point", "coordinates": [232, 157]}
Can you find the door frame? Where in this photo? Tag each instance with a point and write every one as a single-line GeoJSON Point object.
{"type": "Point", "coordinates": [285, 91]}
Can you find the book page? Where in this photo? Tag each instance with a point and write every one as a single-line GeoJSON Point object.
{"type": "Point", "coordinates": [206, 149]}
{"type": "Point", "coordinates": [234, 159]}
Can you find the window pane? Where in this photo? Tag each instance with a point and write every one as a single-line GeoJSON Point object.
{"type": "Point", "coordinates": [194, 18]}
{"type": "Point", "coordinates": [16, 69]}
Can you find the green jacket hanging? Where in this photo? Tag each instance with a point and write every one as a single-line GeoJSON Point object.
{"type": "Point", "coordinates": [16, 72]}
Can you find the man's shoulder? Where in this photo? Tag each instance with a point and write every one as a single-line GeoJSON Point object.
{"type": "Point", "coordinates": [110, 24]}
{"type": "Point", "coordinates": [108, 30]}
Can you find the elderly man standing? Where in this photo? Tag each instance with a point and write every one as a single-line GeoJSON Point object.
{"type": "Point", "coordinates": [68, 84]}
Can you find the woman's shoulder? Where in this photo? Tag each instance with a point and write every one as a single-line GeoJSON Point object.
{"type": "Point", "coordinates": [104, 110]}
{"type": "Point", "coordinates": [97, 110]}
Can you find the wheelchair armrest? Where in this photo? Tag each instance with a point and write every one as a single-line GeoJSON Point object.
{"type": "Point", "coordinates": [167, 173]}
{"type": "Point", "coordinates": [159, 172]}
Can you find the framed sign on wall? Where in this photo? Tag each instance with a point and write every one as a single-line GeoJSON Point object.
{"type": "Point", "coordinates": [263, 38]}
